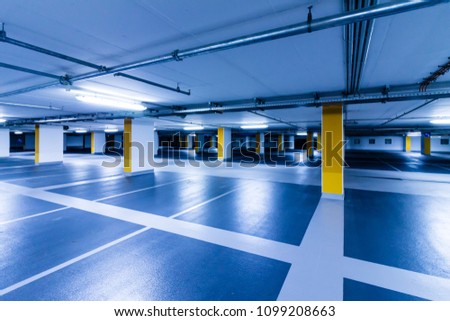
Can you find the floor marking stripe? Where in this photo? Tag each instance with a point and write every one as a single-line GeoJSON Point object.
{"type": "Point", "coordinates": [70, 262]}
{"type": "Point", "coordinates": [87, 181]}
{"type": "Point", "coordinates": [15, 167]}
{"type": "Point", "coordinates": [33, 215]}
{"type": "Point", "coordinates": [205, 202]}
{"type": "Point", "coordinates": [404, 281]}
{"type": "Point", "coordinates": [140, 190]}
{"type": "Point", "coordinates": [238, 241]}
{"type": "Point", "coordinates": [315, 272]}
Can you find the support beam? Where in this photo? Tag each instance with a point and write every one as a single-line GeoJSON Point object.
{"type": "Point", "coordinates": [156, 142]}
{"type": "Point", "coordinates": [319, 142]}
{"type": "Point", "coordinates": [332, 151]}
{"type": "Point", "coordinates": [49, 144]}
{"type": "Point", "coordinates": [98, 141]}
{"type": "Point", "coordinates": [306, 27]}
{"type": "Point", "coordinates": [138, 140]}
{"type": "Point", "coordinates": [309, 145]}
{"type": "Point", "coordinates": [260, 143]}
{"type": "Point", "coordinates": [426, 144]}
{"type": "Point", "coordinates": [407, 143]}
{"type": "Point", "coordinates": [224, 143]}
{"type": "Point", "coordinates": [280, 142]}
{"type": "Point", "coordinates": [4, 142]}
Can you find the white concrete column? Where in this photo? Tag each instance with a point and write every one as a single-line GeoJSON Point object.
{"type": "Point", "coordinates": [224, 143]}
{"type": "Point", "coordinates": [98, 141]}
{"type": "Point", "coordinates": [156, 142]}
{"type": "Point", "coordinates": [260, 143]}
{"type": "Point", "coordinates": [4, 142]}
{"type": "Point", "coordinates": [291, 142]}
{"type": "Point", "coordinates": [49, 144]}
{"type": "Point", "coordinates": [214, 141]}
{"type": "Point", "coordinates": [190, 141]}
{"type": "Point", "coordinates": [138, 137]}
{"type": "Point", "coordinates": [64, 142]}
{"type": "Point", "coordinates": [200, 141]}
{"type": "Point", "coordinates": [247, 142]}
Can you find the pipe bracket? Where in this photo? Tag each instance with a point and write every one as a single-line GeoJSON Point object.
{"type": "Point", "coordinates": [176, 56]}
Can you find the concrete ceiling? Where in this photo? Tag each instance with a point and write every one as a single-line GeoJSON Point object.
{"type": "Point", "coordinates": [405, 48]}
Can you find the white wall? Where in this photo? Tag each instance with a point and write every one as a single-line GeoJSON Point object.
{"type": "Point", "coordinates": [142, 134]}
{"type": "Point", "coordinates": [416, 144]}
{"type": "Point", "coordinates": [4, 142]}
{"type": "Point", "coordinates": [436, 144]}
{"type": "Point", "coordinates": [74, 141]}
{"type": "Point", "coordinates": [397, 143]}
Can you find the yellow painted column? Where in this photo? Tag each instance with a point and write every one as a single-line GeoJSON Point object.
{"type": "Point", "coordinates": [332, 151]}
{"type": "Point", "coordinates": [309, 145]}
{"type": "Point", "coordinates": [426, 144]}
{"type": "Point", "coordinates": [196, 144]}
{"type": "Point", "coordinates": [319, 141]}
{"type": "Point", "coordinates": [407, 143]}
{"type": "Point", "coordinates": [92, 143]}
{"type": "Point", "coordinates": [127, 139]}
{"type": "Point", "coordinates": [258, 143]}
{"type": "Point", "coordinates": [223, 143]}
{"type": "Point", "coordinates": [36, 144]}
{"type": "Point", "coordinates": [280, 142]}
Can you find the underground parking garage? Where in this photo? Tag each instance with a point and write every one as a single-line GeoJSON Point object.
{"type": "Point", "coordinates": [194, 151]}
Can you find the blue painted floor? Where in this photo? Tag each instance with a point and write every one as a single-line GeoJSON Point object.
{"type": "Point", "coordinates": [410, 232]}
{"type": "Point", "coordinates": [358, 291]}
{"type": "Point", "coordinates": [160, 266]}
{"type": "Point", "coordinates": [227, 241]}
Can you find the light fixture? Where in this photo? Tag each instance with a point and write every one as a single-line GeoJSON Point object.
{"type": "Point", "coordinates": [315, 135]}
{"type": "Point", "coordinates": [111, 102]}
{"type": "Point", "coordinates": [302, 133]}
{"type": "Point", "coordinates": [414, 134]}
{"type": "Point", "coordinates": [81, 131]}
{"type": "Point", "coordinates": [17, 132]}
{"type": "Point", "coordinates": [444, 121]}
{"type": "Point", "coordinates": [2, 120]}
{"type": "Point", "coordinates": [193, 128]}
{"type": "Point", "coordinates": [254, 126]}
{"type": "Point", "coordinates": [111, 130]}
{"type": "Point", "coordinates": [55, 120]}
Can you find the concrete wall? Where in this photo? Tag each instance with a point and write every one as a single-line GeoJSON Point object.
{"type": "Point", "coordinates": [436, 145]}
{"type": "Point", "coordinates": [4, 142]}
{"type": "Point", "coordinates": [397, 143]}
{"type": "Point", "coordinates": [29, 142]}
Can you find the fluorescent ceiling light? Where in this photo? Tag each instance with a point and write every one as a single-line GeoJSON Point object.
{"type": "Point", "coordinates": [414, 134]}
{"type": "Point", "coordinates": [302, 133]}
{"type": "Point", "coordinates": [193, 128]}
{"type": "Point", "coordinates": [112, 102]}
{"type": "Point", "coordinates": [441, 121]}
{"type": "Point", "coordinates": [255, 126]}
{"type": "Point", "coordinates": [111, 130]}
{"type": "Point", "coordinates": [18, 132]}
{"type": "Point", "coordinates": [81, 131]}
{"type": "Point", "coordinates": [2, 120]}
{"type": "Point", "coordinates": [315, 135]}
{"type": "Point", "coordinates": [56, 120]}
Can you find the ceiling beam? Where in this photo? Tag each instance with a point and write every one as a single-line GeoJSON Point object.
{"type": "Point", "coordinates": [311, 25]}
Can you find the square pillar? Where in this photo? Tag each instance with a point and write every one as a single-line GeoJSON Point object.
{"type": "Point", "coordinates": [319, 141]}
{"type": "Point", "coordinates": [332, 151]}
{"type": "Point", "coordinates": [260, 143]}
{"type": "Point", "coordinates": [49, 144]}
{"type": "Point", "coordinates": [98, 141]}
{"type": "Point", "coordinates": [407, 143]}
{"type": "Point", "coordinates": [309, 145]}
{"type": "Point", "coordinates": [138, 140]}
{"type": "Point", "coordinates": [156, 142]}
{"type": "Point", "coordinates": [224, 143]}
{"type": "Point", "coordinates": [190, 141]}
{"type": "Point", "coordinates": [199, 142]}
{"type": "Point", "coordinates": [4, 142]}
{"type": "Point", "coordinates": [291, 142]}
{"type": "Point", "coordinates": [247, 142]}
{"type": "Point", "coordinates": [214, 141]}
{"type": "Point", "coordinates": [280, 142]}
{"type": "Point", "coordinates": [425, 144]}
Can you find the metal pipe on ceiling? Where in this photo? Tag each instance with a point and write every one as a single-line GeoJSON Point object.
{"type": "Point", "coordinates": [148, 82]}
{"type": "Point", "coordinates": [11, 41]}
{"type": "Point", "coordinates": [29, 71]}
{"type": "Point", "coordinates": [274, 118]}
{"type": "Point", "coordinates": [407, 112]}
{"type": "Point", "coordinates": [332, 21]}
